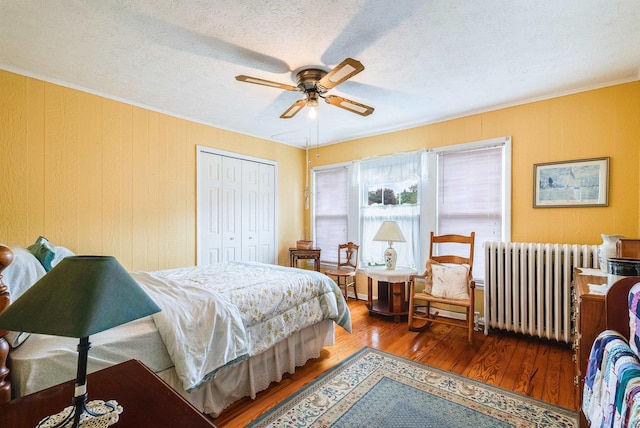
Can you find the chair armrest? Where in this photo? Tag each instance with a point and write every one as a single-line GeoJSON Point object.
{"type": "Point", "coordinates": [422, 276]}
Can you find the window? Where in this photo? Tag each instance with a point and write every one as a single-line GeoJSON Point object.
{"type": "Point", "coordinates": [470, 197]}
{"type": "Point", "coordinates": [331, 210]}
{"type": "Point", "coordinates": [453, 189]}
{"type": "Point", "coordinates": [389, 191]}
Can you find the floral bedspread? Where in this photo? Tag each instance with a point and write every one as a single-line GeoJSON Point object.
{"type": "Point", "coordinates": [217, 315]}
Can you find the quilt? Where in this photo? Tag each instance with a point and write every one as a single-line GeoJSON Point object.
{"type": "Point", "coordinates": [611, 396]}
{"type": "Point", "coordinates": [217, 315]}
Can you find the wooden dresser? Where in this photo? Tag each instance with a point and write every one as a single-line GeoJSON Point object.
{"type": "Point", "coordinates": [589, 316]}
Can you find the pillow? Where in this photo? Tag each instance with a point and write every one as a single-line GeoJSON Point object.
{"type": "Point", "coordinates": [60, 253]}
{"type": "Point", "coordinates": [22, 273]}
{"type": "Point", "coordinates": [428, 281]}
{"type": "Point", "coordinates": [43, 251]}
{"type": "Point", "coordinates": [634, 314]}
{"type": "Point", "coordinates": [16, 339]}
{"type": "Point", "coordinates": [449, 281]}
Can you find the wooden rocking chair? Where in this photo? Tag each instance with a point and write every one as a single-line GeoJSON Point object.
{"type": "Point", "coordinates": [448, 280]}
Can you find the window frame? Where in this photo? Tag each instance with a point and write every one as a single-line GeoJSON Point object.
{"type": "Point", "coordinates": [352, 210]}
{"type": "Point", "coordinates": [427, 194]}
{"type": "Point", "coordinates": [431, 197]}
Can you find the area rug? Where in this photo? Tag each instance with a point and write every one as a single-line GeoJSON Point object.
{"type": "Point", "coordinates": [377, 389]}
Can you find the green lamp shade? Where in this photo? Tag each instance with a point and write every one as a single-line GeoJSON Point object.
{"type": "Point", "coordinates": [79, 297]}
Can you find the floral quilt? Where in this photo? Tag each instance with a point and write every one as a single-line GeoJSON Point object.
{"type": "Point", "coordinates": [220, 314]}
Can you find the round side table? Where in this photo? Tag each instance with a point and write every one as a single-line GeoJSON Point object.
{"type": "Point", "coordinates": [392, 296]}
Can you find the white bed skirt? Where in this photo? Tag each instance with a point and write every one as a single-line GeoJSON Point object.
{"type": "Point", "coordinates": [255, 374]}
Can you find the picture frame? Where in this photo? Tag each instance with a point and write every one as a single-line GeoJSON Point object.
{"type": "Point", "coordinates": [574, 183]}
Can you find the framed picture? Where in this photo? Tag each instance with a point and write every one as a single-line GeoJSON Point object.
{"type": "Point", "coordinates": [577, 183]}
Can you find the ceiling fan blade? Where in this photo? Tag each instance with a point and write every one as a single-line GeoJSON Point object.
{"type": "Point", "coordinates": [295, 108]}
{"type": "Point", "coordinates": [343, 71]}
{"type": "Point", "coordinates": [257, 81]}
{"type": "Point", "coordinates": [346, 104]}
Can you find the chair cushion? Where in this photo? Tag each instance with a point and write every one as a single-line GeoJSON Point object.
{"type": "Point", "coordinates": [449, 281]}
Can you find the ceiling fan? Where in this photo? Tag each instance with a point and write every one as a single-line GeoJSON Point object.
{"type": "Point", "coordinates": [315, 83]}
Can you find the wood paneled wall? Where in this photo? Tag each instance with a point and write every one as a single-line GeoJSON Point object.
{"type": "Point", "coordinates": [103, 177]}
{"type": "Point", "coordinates": [597, 123]}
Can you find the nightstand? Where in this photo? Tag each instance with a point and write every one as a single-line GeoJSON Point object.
{"type": "Point", "coordinates": [146, 399]}
{"type": "Point", "coordinates": [296, 254]}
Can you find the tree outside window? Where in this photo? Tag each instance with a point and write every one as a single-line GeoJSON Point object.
{"type": "Point", "coordinates": [389, 194]}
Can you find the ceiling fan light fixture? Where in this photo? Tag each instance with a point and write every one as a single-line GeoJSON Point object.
{"type": "Point", "coordinates": [312, 99]}
{"type": "Point", "coordinates": [314, 83]}
{"type": "Point", "coordinates": [312, 103]}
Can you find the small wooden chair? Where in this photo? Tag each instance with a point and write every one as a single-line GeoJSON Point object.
{"type": "Point", "coordinates": [420, 302]}
{"type": "Point", "coordinates": [345, 272]}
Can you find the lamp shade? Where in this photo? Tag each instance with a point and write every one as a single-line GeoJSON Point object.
{"type": "Point", "coordinates": [80, 296]}
{"type": "Point", "coordinates": [390, 232]}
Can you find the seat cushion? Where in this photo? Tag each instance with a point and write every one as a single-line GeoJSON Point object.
{"type": "Point", "coordinates": [449, 281]}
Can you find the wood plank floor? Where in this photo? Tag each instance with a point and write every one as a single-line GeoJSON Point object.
{"type": "Point", "coordinates": [538, 368]}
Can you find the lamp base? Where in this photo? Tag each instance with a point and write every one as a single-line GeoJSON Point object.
{"type": "Point", "coordinates": [98, 412]}
{"type": "Point", "coordinates": [390, 257]}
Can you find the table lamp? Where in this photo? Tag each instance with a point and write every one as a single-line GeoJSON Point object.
{"type": "Point", "coordinates": [80, 296]}
{"type": "Point", "coordinates": [390, 232]}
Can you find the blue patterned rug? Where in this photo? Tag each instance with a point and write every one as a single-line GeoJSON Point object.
{"type": "Point", "coordinates": [376, 389]}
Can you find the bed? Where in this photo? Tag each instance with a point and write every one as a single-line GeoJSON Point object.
{"type": "Point", "coordinates": [256, 323]}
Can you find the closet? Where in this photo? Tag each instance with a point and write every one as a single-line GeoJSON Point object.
{"type": "Point", "coordinates": [236, 208]}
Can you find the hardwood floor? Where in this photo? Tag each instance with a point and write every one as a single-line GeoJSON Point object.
{"type": "Point", "coordinates": [538, 368]}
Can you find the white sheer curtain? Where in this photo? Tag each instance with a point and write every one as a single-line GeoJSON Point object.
{"type": "Point", "coordinates": [383, 172]}
{"type": "Point", "coordinates": [391, 169]}
{"type": "Point", "coordinates": [407, 217]}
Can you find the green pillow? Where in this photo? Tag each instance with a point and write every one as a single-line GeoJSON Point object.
{"type": "Point", "coordinates": [43, 251]}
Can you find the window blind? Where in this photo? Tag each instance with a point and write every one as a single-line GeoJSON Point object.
{"type": "Point", "coordinates": [470, 197]}
{"type": "Point", "coordinates": [331, 204]}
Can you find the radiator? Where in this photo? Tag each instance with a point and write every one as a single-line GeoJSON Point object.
{"type": "Point", "coordinates": [528, 286]}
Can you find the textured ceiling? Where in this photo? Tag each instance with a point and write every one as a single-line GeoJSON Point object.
{"type": "Point", "coordinates": [426, 61]}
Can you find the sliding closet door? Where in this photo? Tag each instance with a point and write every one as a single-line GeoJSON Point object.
{"type": "Point", "coordinates": [250, 210]}
{"type": "Point", "coordinates": [230, 210]}
{"type": "Point", "coordinates": [258, 221]}
{"type": "Point", "coordinates": [209, 198]}
{"type": "Point", "coordinates": [236, 209]}
{"type": "Point", "coordinates": [266, 219]}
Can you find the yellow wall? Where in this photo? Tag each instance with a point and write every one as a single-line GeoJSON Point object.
{"type": "Point", "coordinates": [597, 123]}
{"type": "Point", "coordinates": [103, 177]}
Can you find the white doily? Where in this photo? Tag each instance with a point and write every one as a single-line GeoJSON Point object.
{"type": "Point", "coordinates": [108, 416]}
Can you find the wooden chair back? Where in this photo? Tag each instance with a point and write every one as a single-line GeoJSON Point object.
{"type": "Point", "coordinates": [453, 239]}
{"type": "Point", "coordinates": [420, 302]}
{"type": "Point", "coordinates": [348, 256]}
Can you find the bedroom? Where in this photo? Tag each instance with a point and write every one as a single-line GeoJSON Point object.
{"type": "Point", "coordinates": [103, 176]}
